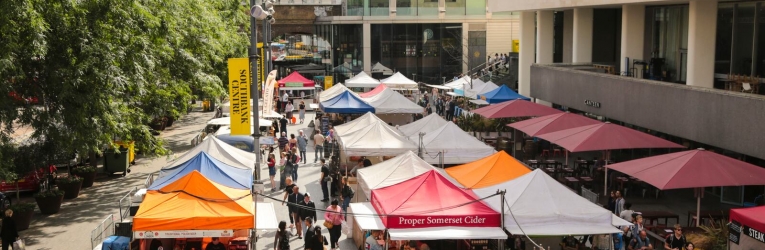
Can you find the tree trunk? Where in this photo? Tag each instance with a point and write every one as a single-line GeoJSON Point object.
{"type": "Point", "coordinates": [93, 159]}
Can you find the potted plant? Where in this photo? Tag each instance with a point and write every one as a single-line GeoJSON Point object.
{"type": "Point", "coordinates": [88, 174]}
{"type": "Point", "coordinates": [22, 214]}
{"type": "Point", "coordinates": [71, 186]}
{"type": "Point", "coordinates": [49, 201]}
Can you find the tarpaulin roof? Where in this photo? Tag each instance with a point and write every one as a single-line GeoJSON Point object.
{"type": "Point", "coordinates": [362, 80]}
{"type": "Point", "coordinates": [379, 68]}
{"type": "Point", "coordinates": [692, 169]}
{"type": "Point", "coordinates": [430, 200]}
{"type": "Point", "coordinates": [295, 77]}
{"type": "Point", "coordinates": [375, 91]}
{"type": "Point", "coordinates": [753, 217]}
{"type": "Point", "coordinates": [426, 124]}
{"type": "Point", "coordinates": [393, 171]}
{"type": "Point", "coordinates": [346, 103]}
{"type": "Point", "coordinates": [551, 123]}
{"type": "Point", "coordinates": [605, 136]}
{"type": "Point", "coordinates": [392, 102]}
{"type": "Point", "coordinates": [492, 170]}
{"type": "Point", "coordinates": [489, 86]}
{"type": "Point", "coordinates": [515, 108]}
{"type": "Point", "coordinates": [375, 140]}
{"type": "Point", "coordinates": [456, 145]}
{"type": "Point", "coordinates": [332, 92]}
{"type": "Point", "coordinates": [501, 94]}
{"type": "Point", "coordinates": [210, 167]}
{"type": "Point", "coordinates": [459, 83]}
{"type": "Point", "coordinates": [221, 151]}
{"type": "Point", "coordinates": [363, 121]}
{"type": "Point", "coordinates": [195, 203]}
{"type": "Point", "coordinates": [544, 207]}
{"type": "Point", "coordinates": [399, 81]}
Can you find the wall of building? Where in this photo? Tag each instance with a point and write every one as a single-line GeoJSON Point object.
{"type": "Point", "coordinates": [719, 118]}
{"type": "Point", "coordinates": [298, 19]}
{"type": "Point", "coordinates": [526, 5]}
{"type": "Point", "coordinates": [500, 36]}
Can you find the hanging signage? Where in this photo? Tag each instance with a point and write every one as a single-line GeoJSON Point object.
{"type": "Point", "coordinates": [293, 84]}
{"type": "Point", "coordinates": [734, 232]}
{"type": "Point", "coordinates": [754, 233]}
{"type": "Point", "coordinates": [328, 82]}
{"type": "Point", "coordinates": [592, 103]}
{"type": "Point", "coordinates": [182, 234]}
{"type": "Point", "coordinates": [239, 93]}
{"type": "Point", "coordinates": [268, 93]}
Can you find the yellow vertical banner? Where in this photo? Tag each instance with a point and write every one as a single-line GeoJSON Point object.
{"type": "Point", "coordinates": [328, 82]}
{"type": "Point", "coordinates": [239, 93]}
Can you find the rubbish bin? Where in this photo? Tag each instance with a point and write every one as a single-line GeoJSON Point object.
{"type": "Point", "coordinates": [131, 150]}
{"type": "Point", "coordinates": [117, 162]}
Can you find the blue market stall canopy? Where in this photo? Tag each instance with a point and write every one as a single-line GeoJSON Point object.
{"type": "Point", "coordinates": [501, 94]}
{"type": "Point", "coordinates": [209, 167]}
{"type": "Point", "coordinates": [346, 103]}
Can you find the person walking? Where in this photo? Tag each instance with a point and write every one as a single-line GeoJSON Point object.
{"type": "Point", "coordinates": [307, 212]}
{"type": "Point", "coordinates": [272, 170]}
{"type": "Point", "coordinates": [283, 142]}
{"type": "Point", "coordinates": [302, 142]}
{"type": "Point", "coordinates": [9, 233]}
{"type": "Point", "coordinates": [292, 161]}
{"type": "Point", "coordinates": [334, 215]}
{"type": "Point", "coordinates": [292, 142]}
{"type": "Point", "coordinates": [295, 210]}
{"type": "Point", "coordinates": [283, 123]}
{"type": "Point", "coordinates": [324, 180]}
{"type": "Point", "coordinates": [288, 110]}
{"type": "Point", "coordinates": [318, 241]}
{"type": "Point", "coordinates": [301, 109]}
{"type": "Point", "coordinates": [318, 145]}
{"type": "Point", "coordinates": [618, 203]}
{"type": "Point", "coordinates": [676, 241]}
{"type": "Point", "coordinates": [346, 194]}
{"type": "Point", "coordinates": [282, 238]}
{"type": "Point", "coordinates": [448, 110]}
{"type": "Point", "coordinates": [289, 189]}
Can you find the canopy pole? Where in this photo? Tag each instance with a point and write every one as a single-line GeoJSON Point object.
{"type": "Point", "coordinates": [501, 243]}
{"type": "Point", "coordinates": [605, 176]}
{"type": "Point", "coordinates": [699, 194]}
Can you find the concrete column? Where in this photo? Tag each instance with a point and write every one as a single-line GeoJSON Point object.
{"type": "Point", "coordinates": [526, 53]}
{"type": "Point", "coordinates": [392, 8]}
{"type": "Point", "coordinates": [465, 48]}
{"type": "Point", "coordinates": [568, 34]}
{"type": "Point", "coordinates": [633, 30]}
{"type": "Point", "coordinates": [366, 30]}
{"type": "Point", "coordinates": [545, 30]}
{"type": "Point", "coordinates": [582, 42]}
{"type": "Point", "coordinates": [702, 20]}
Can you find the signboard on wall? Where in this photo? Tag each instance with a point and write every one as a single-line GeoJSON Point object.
{"type": "Point", "coordinates": [328, 82]}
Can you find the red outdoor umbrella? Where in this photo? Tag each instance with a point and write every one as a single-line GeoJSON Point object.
{"type": "Point", "coordinates": [605, 136]}
{"type": "Point", "coordinates": [692, 169]}
{"type": "Point", "coordinates": [515, 108]}
{"type": "Point", "coordinates": [552, 123]}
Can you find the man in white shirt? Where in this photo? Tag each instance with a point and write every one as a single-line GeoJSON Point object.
{"type": "Point", "coordinates": [627, 213]}
{"type": "Point", "coordinates": [285, 98]}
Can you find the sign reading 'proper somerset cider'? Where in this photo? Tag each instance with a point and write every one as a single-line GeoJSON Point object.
{"type": "Point", "coordinates": [488, 220]}
{"type": "Point", "coordinates": [239, 94]}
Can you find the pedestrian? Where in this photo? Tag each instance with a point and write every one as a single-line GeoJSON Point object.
{"type": "Point", "coordinates": [641, 242]}
{"type": "Point", "coordinates": [307, 212]}
{"type": "Point", "coordinates": [283, 122]}
{"type": "Point", "coordinates": [318, 145]}
{"type": "Point", "coordinates": [689, 246]}
{"type": "Point", "coordinates": [334, 215]}
{"type": "Point", "coordinates": [9, 233]}
{"type": "Point", "coordinates": [302, 142]}
{"type": "Point", "coordinates": [215, 245]}
{"type": "Point", "coordinates": [282, 239]}
{"type": "Point", "coordinates": [449, 108]}
{"type": "Point", "coordinates": [428, 109]}
{"type": "Point", "coordinates": [294, 159]}
{"type": "Point", "coordinates": [272, 170]}
{"type": "Point", "coordinates": [294, 209]}
{"type": "Point", "coordinates": [288, 190]}
{"type": "Point", "coordinates": [318, 242]}
{"type": "Point", "coordinates": [371, 241]}
{"type": "Point", "coordinates": [292, 142]}
{"type": "Point", "coordinates": [638, 226]}
{"type": "Point", "coordinates": [626, 214]}
{"type": "Point", "coordinates": [324, 180]}
{"type": "Point", "coordinates": [283, 142]}
{"type": "Point", "coordinates": [619, 243]}
{"type": "Point", "coordinates": [618, 203]}
{"type": "Point", "coordinates": [285, 100]}
{"type": "Point", "coordinates": [602, 242]}
{"type": "Point", "coordinates": [676, 241]}
{"type": "Point", "coordinates": [301, 109]}
{"type": "Point", "coordinates": [452, 109]}
{"type": "Point", "coordinates": [612, 201]}
{"type": "Point", "coordinates": [308, 234]}
{"type": "Point", "coordinates": [346, 193]}
{"type": "Point", "coordinates": [288, 110]}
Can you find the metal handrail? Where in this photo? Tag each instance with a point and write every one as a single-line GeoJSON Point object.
{"type": "Point", "coordinates": [104, 229]}
{"type": "Point", "coordinates": [125, 210]}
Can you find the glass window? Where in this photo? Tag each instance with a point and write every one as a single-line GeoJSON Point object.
{"type": "Point", "coordinates": [379, 7]}
{"type": "Point", "coordinates": [670, 41]}
{"type": "Point", "coordinates": [422, 52]}
{"type": "Point", "coordinates": [427, 7]}
{"type": "Point", "coordinates": [743, 38]}
{"type": "Point", "coordinates": [406, 7]}
{"type": "Point", "coordinates": [457, 7]}
{"type": "Point", "coordinates": [760, 65]}
{"type": "Point", "coordinates": [475, 7]}
{"type": "Point", "coordinates": [724, 38]}
{"type": "Point", "coordinates": [356, 8]}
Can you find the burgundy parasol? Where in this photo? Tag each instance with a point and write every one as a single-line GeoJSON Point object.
{"type": "Point", "coordinates": [515, 108]}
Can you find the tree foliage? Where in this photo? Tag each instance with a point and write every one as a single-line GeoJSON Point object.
{"type": "Point", "coordinates": [103, 69]}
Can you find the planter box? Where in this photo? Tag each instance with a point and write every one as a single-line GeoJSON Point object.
{"type": "Point", "coordinates": [87, 178]}
{"type": "Point", "coordinates": [71, 190]}
{"type": "Point", "coordinates": [22, 219]}
{"type": "Point", "coordinates": [49, 205]}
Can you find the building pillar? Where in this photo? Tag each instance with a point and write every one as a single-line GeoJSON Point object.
{"type": "Point", "coordinates": [545, 31]}
{"type": "Point", "coordinates": [367, 47]}
{"type": "Point", "coordinates": [392, 8]}
{"type": "Point", "coordinates": [582, 42]}
{"type": "Point", "coordinates": [633, 30]}
{"type": "Point", "coordinates": [526, 51]}
{"type": "Point", "coordinates": [465, 48]}
{"type": "Point", "coordinates": [568, 34]}
{"type": "Point", "coordinates": [702, 20]}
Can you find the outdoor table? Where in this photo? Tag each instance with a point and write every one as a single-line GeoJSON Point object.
{"type": "Point", "coordinates": [549, 171]}
{"type": "Point", "coordinates": [717, 215]}
{"type": "Point", "coordinates": [534, 164]}
{"type": "Point", "coordinates": [586, 180]}
{"type": "Point", "coordinates": [650, 216]}
{"type": "Point", "coordinates": [554, 163]}
{"type": "Point", "coordinates": [621, 181]}
{"type": "Point", "coordinates": [573, 181]}
{"type": "Point", "coordinates": [568, 171]}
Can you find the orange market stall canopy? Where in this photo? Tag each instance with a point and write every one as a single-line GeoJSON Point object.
{"type": "Point", "coordinates": [491, 170]}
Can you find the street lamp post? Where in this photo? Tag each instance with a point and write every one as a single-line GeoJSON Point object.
{"type": "Point", "coordinates": [257, 13]}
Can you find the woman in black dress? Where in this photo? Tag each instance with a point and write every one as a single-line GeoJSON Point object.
{"type": "Point", "coordinates": [9, 233]}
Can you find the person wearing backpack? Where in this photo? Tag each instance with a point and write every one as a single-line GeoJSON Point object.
{"type": "Point", "coordinates": [346, 193]}
{"type": "Point", "coordinates": [676, 241]}
{"type": "Point", "coordinates": [282, 239]}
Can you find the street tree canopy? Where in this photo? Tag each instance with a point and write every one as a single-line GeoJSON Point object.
{"type": "Point", "coordinates": [100, 70]}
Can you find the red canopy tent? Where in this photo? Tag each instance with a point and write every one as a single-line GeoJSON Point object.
{"type": "Point", "coordinates": [430, 200]}
{"type": "Point", "coordinates": [693, 169]}
{"type": "Point", "coordinates": [605, 136]}
{"type": "Point", "coordinates": [515, 108]}
{"type": "Point", "coordinates": [295, 80]}
{"type": "Point", "coordinates": [749, 222]}
{"type": "Point", "coordinates": [374, 91]}
{"type": "Point", "coordinates": [551, 123]}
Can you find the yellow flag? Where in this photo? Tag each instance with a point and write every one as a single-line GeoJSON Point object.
{"type": "Point", "coordinates": [239, 93]}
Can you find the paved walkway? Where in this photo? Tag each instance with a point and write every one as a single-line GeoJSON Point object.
{"type": "Point", "coordinates": [71, 227]}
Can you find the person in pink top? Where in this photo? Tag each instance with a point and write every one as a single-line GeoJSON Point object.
{"type": "Point", "coordinates": [335, 216]}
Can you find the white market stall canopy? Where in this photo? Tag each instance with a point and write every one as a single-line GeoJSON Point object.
{"type": "Point", "coordinates": [219, 150]}
{"type": "Point", "coordinates": [456, 145]}
{"type": "Point", "coordinates": [366, 216]}
{"type": "Point", "coordinates": [459, 83]}
{"type": "Point", "coordinates": [227, 121]}
{"type": "Point", "coordinates": [362, 80]}
{"type": "Point", "coordinates": [366, 120]}
{"type": "Point", "coordinates": [426, 124]}
{"type": "Point", "coordinates": [392, 102]}
{"type": "Point", "coordinates": [334, 91]}
{"type": "Point", "coordinates": [544, 207]}
{"type": "Point", "coordinates": [265, 216]}
{"type": "Point", "coordinates": [375, 140]}
{"type": "Point", "coordinates": [391, 172]}
{"type": "Point", "coordinates": [399, 81]}
{"type": "Point", "coordinates": [379, 68]}
{"type": "Point", "coordinates": [448, 233]}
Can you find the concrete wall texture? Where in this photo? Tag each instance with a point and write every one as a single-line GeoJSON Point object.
{"type": "Point", "coordinates": [725, 119]}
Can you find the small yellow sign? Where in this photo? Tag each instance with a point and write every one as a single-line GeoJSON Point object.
{"type": "Point", "coordinates": [239, 93]}
{"type": "Point", "coordinates": [516, 45]}
{"type": "Point", "coordinates": [328, 82]}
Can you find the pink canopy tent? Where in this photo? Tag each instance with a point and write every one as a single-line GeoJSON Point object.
{"type": "Point", "coordinates": [515, 108]}
{"type": "Point", "coordinates": [294, 79]}
{"type": "Point", "coordinates": [692, 169]}
{"type": "Point", "coordinates": [605, 136]}
{"type": "Point", "coordinates": [552, 123]}
{"type": "Point", "coordinates": [430, 200]}
{"type": "Point", "coordinates": [374, 91]}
